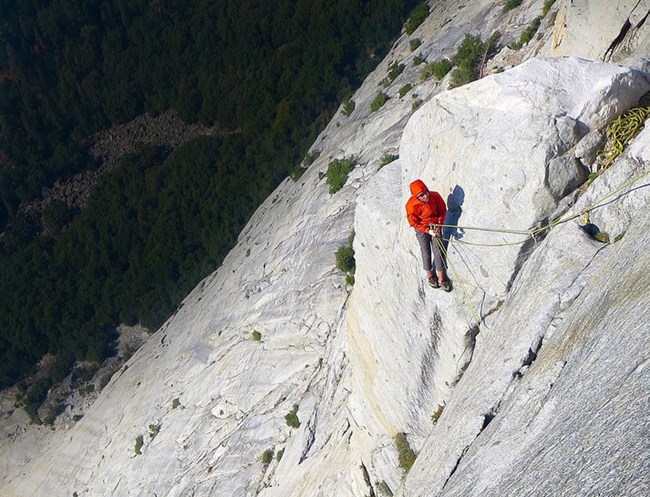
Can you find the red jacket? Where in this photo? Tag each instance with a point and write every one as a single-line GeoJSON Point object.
{"type": "Point", "coordinates": [421, 214]}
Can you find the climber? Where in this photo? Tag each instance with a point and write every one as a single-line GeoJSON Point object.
{"type": "Point", "coordinates": [425, 211]}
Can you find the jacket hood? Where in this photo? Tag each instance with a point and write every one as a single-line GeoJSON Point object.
{"type": "Point", "coordinates": [418, 187]}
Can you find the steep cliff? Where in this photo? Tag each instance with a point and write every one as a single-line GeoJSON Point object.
{"type": "Point", "coordinates": [274, 378]}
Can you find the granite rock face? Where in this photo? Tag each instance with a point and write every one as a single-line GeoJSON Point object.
{"type": "Point", "coordinates": [555, 398]}
{"type": "Point", "coordinates": [491, 148]}
{"type": "Point", "coordinates": [610, 31]}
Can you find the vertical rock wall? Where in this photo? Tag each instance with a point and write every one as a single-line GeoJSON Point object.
{"type": "Point", "coordinates": [502, 153]}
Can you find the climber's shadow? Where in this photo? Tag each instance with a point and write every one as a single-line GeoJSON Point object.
{"type": "Point", "coordinates": [454, 211]}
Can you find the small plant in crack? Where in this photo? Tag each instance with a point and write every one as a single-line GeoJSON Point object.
{"type": "Point", "coordinates": [154, 429]}
{"type": "Point", "coordinates": [139, 442]}
{"type": "Point", "coordinates": [437, 413]}
{"type": "Point", "coordinates": [405, 454]}
{"type": "Point", "coordinates": [267, 457]}
{"type": "Point", "coordinates": [292, 418]}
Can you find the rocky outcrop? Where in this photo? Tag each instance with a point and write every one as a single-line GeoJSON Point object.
{"type": "Point", "coordinates": [109, 146]}
{"type": "Point", "coordinates": [610, 31]}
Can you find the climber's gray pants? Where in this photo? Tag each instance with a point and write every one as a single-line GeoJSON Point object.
{"type": "Point", "coordinates": [428, 244]}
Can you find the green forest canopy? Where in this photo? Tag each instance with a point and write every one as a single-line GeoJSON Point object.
{"type": "Point", "coordinates": [161, 221]}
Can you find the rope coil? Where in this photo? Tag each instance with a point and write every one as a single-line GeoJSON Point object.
{"type": "Point", "coordinates": [622, 131]}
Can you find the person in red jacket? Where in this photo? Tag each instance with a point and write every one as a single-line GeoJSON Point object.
{"type": "Point", "coordinates": [425, 211]}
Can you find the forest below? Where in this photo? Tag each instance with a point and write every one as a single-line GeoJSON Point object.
{"type": "Point", "coordinates": [164, 219]}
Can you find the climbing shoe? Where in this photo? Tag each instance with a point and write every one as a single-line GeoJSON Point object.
{"type": "Point", "coordinates": [433, 282]}
{"type": "Point", "coordinates": [446, 285]}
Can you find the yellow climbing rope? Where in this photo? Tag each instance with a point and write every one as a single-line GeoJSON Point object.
{"type": "Point", "coordinates": [621, 131]}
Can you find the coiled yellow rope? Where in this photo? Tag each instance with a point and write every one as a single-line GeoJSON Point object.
{"type": "Point", "coordinates": [621, 131]}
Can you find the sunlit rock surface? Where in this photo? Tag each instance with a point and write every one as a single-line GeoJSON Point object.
{"type": "Point", "coordinates": [611, 31]}
{"type": "Point", "coordinates": [555, 399]}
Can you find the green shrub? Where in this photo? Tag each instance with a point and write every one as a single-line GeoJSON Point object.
{"type": "Point", "coordinates": [415, 43]}
{"type": "Point", "coordinates": [492, 43]}
{"type": "Point", "coordinates": [88, 389]}
{"type": "Point", "coordinates": [467, 61]}
{"type": "Point", "coordinates": [345, 260]}
{"type": "Point", "coordinates": [405, 89]}
{"type": "Point", "coordinates": [416, 104]}
{"type": "Point", "coordinates": [267, 457]}
{"type": "Point", "coordinates": [393, 72]}
{"type": "Point", "coordinates": [57, 216]}
{"type": "Point", "coordinates": [417, 60]}
{"type": "Point", "coordinates": [419, 14]}
{"type": "Point", "coordinates": [530, 31]}
{"type": "Point", "coordinates": [379, 101]}
{"type": "Point", "coordinates": [53, 413]}
{"type": "Point", "coordinates": [278, 456]}
{"type": "Point", "coordinates": [176, 403]}
{"type": "Point", "coordinates": [387, 159]}
{"type": "Point", "coordinates": [85, 374]}
{"type": "Point", "coordinates": [547, 6]}
{"type": "Point", "coordinates": [153, 431]}
{"type": "Point", "coordinates": [257, 336]}
{"type": "Point", "coordinates": [297, 172]}
{"type": "Point", "coordinates": [512, 4]}
{"type": "Point", "coordinates": [311, 157]}
{"type": "Point", "coordinates": [292, 418]}
{"type": "Point", "coordinates": [528, 34]}
{"type": "Point", "coordinates": [139, 442]}
{"type": "Point", "coordinates": [406, 456]}
{"type": "Point", "coordinates": [348, 108]}
{"type": "Point", "coordinates": [338, 171]}
{"type": "Point", "coordinates": [439, 69]}
{"type": "Point", "coordinates": [34, 397]}
{"type": "Point", "coordinates": [103, 381]}
{"type": "Point", "coordinates": [384, 489]}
